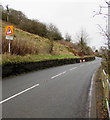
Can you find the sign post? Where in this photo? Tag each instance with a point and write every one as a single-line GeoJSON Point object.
{"type": "Point", "coordinates": [9, 45]}
{"type": "Point", "coordinates": [9, 35]}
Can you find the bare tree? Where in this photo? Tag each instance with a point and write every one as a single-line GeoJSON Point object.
{"type": "Point", "coordinates": [68, 37]}
{"type": "Point", "coordinates": [53, 34]}
{"type": "Point", "coordinates": [7, 9]}
{"type": "Point", "coordinates": [82, 37]}
{"type": "Point", "coordinates": [106, 33]}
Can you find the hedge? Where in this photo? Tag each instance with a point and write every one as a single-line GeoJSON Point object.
{"type": "Point", "coordinates": [18, 68]}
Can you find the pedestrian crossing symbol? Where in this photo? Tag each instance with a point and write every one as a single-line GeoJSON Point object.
{"type": "Point", "coordinates": [9, 30]}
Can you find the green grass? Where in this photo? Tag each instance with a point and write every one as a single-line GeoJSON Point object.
{"type": "Point", "coordinates": [7, 58]}
{"type": "Point", "coordinates": [37, 48]}
{"type": "Point", "coordinates": [27, 43]}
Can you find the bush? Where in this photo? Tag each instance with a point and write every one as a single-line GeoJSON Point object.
{"type": "Point", "coordinates": [18, 47]}
{"type": "Point", "coordinates": [33, 26]}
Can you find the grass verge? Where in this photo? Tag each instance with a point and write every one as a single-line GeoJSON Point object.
{"type": "Point", "coordinates": [100, 108]}
{"type": "Point", "coordinates": [7, 58]}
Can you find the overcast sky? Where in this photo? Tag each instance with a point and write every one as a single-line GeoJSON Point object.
{"type": "Point", "coordinates": [70, 16]}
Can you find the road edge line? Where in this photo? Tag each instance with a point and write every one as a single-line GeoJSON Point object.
{"type": "Point", "coordinates": [91, 93]}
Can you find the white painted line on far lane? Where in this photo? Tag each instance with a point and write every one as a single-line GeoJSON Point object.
{"type": "Point", "coordinates": [62, 73]}
{"type": "Point", "coordinates": [73, 68]}
{"type": "Point", "coordinates": [7, 99]}
{"type": "Point", "coordinates": [58, 75]}
{"type": "Point", "coordinates": [81, 65]}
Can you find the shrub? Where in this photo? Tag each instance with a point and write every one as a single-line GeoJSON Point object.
{"type": "Point", "coordinates": [19, 47]}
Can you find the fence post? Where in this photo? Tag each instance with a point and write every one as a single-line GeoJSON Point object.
{"type": "Point", "coordinates": [106, 86]}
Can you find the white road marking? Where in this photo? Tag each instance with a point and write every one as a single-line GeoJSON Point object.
{"type": "Point", "coordinates": [58, 75]}
{"type": "Point", "coordinates": [18, 94]}
{"type": "Point", "coordinates": [90, 94]}
{"type": "Point", "coordinates": [81, 65]}
{"type": "Point", "coordinates": [73, 68]}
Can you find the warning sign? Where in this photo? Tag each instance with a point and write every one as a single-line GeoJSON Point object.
{"type": "Point", "coordinates": [9, 30]}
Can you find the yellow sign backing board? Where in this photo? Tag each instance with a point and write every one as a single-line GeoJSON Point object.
{"type": "Point", "coordinates": [9, 30]}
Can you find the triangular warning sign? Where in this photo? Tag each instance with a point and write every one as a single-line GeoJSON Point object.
{"type": "Point", "coordinates": [9, 30]}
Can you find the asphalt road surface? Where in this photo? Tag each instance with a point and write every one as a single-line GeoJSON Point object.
{"type": "Point", "coordinates": [57, 92]}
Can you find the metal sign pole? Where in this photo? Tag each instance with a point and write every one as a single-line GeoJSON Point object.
{"type": "Point", "coordinates": [9, 45]}
{"type": "Point", "coordinates": [108, 36]}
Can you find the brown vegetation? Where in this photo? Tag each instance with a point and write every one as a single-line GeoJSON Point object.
{"type": "Point", "coordinates": [76, 49]}
{"type": "Point", "coordinates": [19, 47]}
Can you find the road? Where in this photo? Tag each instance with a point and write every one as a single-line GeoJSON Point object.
{"type": "Point", "coordinates": [57, 92]}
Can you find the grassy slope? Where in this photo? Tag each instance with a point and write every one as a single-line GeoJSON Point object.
{"type": "Point", "coordinates": [31, 58]}
{"type": "Point", "coordinates": [43, 46]}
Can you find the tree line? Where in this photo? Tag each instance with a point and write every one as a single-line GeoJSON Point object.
{"type": "Point", "coordinates": [19, 19]}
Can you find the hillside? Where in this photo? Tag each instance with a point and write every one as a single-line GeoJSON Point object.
{"type": "Point", "coordinates": [32, 47]}
{"type": "Point", "coordinates": [41, 44]}
{"type": "Point", "coordinates": [34, 40]}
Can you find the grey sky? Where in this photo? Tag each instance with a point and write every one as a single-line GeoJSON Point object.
{"type": "Point", "coordinates": [68, 15]}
